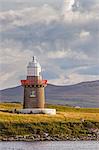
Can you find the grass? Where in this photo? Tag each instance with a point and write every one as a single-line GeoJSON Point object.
{"type": "Point", "coordinates": [67, 121]}
{"type": "Point", "coordinates": [9, 106]}
{"type": "Point", "coordinates": [64, 113]}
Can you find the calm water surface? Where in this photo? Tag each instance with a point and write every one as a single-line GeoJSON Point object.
{"type": "Point", "coordinates": [61, 145]}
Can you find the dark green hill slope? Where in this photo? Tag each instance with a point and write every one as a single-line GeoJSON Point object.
{"type": "Point", "coordinates": [85, 94]}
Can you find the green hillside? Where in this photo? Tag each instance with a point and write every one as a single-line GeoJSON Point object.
{"type": "Point", "coordinates": [85, 94]}
{"type": "Point", "coordinates": [68, 124]}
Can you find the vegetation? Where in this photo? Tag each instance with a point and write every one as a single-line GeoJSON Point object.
{"type": "Point", "coordinates": [68, 123]}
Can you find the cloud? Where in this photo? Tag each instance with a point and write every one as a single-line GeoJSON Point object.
{"type": "Point", "coordinates": [12, 65]}
{"type": "Point", "coordinates": [16, 18]}
{"type": "Point", "coordinates": [66, 42]}
{"type": "Point", "coordinates": [76, 10]}
{"type": "Point", "coordinates": [90, 70]}
{"type": "Point", "coordinates": [74, 78]}
{"type": "Point", "coordinates": [67, 54]}
{"type": "Point", "coordinates": [84, 34]}
{"type": "Point", "coordinates": [68, 4]}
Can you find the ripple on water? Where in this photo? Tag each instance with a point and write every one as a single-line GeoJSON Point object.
{"type": "Point", "coordinates": [52, 145]}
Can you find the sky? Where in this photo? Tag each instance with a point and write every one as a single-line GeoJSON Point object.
{"type": "Point", "coordinates": [62, 34]}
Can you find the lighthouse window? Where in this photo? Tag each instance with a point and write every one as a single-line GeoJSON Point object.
{"type": "Point", "coordinates": [39, 73]}
{"type": "Point", "coordinates": [33, 94]}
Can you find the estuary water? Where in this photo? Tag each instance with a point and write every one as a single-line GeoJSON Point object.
{"type": "Point", "coordinates": [52, 145]}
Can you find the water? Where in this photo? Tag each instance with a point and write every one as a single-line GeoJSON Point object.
{"type": "Point", "coordinates": [53, 145]}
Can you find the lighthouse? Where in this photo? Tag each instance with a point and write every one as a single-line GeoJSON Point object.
{"type": "Point", "coordinates": [34, 85]}
{"type": "Point", "coordinates": [34, 90]}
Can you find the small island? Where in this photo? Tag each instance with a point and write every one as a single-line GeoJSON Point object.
{"type": "Point", "coordinates": [68, 124]}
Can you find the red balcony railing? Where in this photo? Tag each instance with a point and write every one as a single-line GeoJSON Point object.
{"type": "Point", "coordinates": [32, 82]}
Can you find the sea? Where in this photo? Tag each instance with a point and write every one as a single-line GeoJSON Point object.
{"type": "Point", "coordinates": [51, 145]}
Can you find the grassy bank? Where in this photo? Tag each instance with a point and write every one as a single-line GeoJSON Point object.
{"type": "Point", "coordinates": [68, 124]}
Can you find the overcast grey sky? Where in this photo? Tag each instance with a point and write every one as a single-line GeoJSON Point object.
{"type": "Point", "coordinates": [63, 34]}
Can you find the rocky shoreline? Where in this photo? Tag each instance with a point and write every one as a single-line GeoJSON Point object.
{"type": "Point", "coordinates": [46, 137]}
{"type": "Point", "coordinates": [57, 131]}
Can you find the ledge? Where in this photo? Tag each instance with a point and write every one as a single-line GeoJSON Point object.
{"type": "Point", "coordinates": [37, 111]}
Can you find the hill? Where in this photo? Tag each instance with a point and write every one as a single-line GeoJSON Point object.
{"type": "Point", "coordinates": [85, 94]}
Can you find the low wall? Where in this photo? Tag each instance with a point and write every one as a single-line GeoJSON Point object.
{"type": "Point", "coordinates": [37, 111]}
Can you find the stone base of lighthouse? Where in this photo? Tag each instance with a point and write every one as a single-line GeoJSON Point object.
{"type": "Point", "coordinates": [34, 100]}
{"type": "Point", "coordinates": [37, 111]}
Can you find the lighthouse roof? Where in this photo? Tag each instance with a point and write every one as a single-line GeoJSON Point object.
{"type": "Point", "coordinates": [34, 63]}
